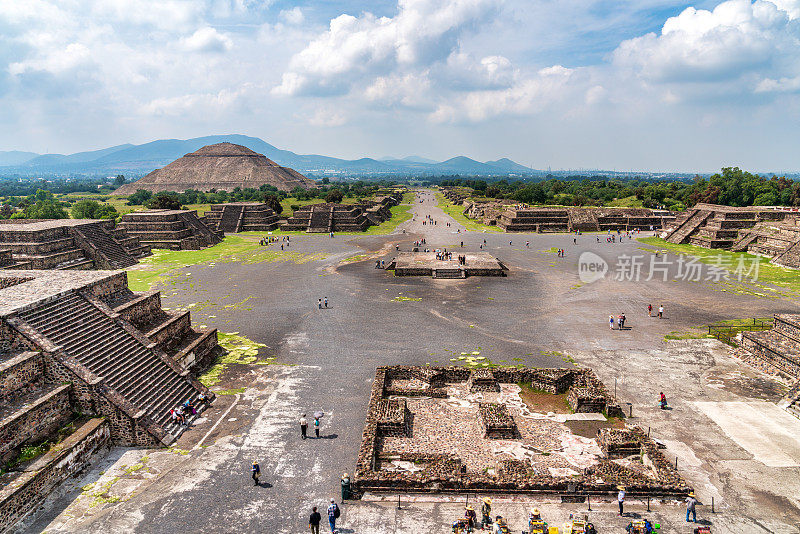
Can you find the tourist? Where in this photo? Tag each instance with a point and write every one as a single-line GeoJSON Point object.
{"type": "Point", "coordinates": [649, 310]}
{"type": "Point", "coordinates": [174, 416]}
{"type": "Point", "coordinates": [527, 244]}
{"type": "Point", "coordinates": [621, 499]}
{"type": "Point", "coordinates": [574, 241]}
{"type": "Point", "coordinates": [691, 502]}
{"type": "Point", "coordinates": [303, 426]}
{"type": "Point", "coordinates": [622, 322]}
{"type": "Point", "coordinates": [202, 398]}
{"type": "Point", "coordinates": [663, 401]}
{"type": "Point", "coordinates": [486, 512]}
{"type": "Point", "coordinates": [471, 517]}
{"type": "Point", "coordinates": [313, 520]}
{"type": "Point", "coordinates": [661, 311]}
{"type": "Point", "coordinates": [319, 303]}
{"type": "Point", "coordinates": [326, 302]}
{"type": "Point", "coordinates": [316, 426]}
{"type": "Point", "coordinates": [333, 514]}
{"type": "Point", "coordinates": [256, 472]}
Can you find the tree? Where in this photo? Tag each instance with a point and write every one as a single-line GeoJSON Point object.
{"type": "Point", "coordinates": [139, 197]}
{"type": "Point", "coordinates": [43, 209]}
{"type": "Point", "coordinates": [164, 201]}
{"type": "Point", "coordinates": [274, 203]}
{"type": "Point", "coordinates": [120, 179]}
{"type": "Point", "coordinates": [91, 209]}
{"type": "Point", "coordinates": [334, 196]}
{"type": "Point", "coordinates": [326, 181]}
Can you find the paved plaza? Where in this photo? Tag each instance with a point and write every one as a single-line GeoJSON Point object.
{"type": "Point", "coordinates": [730, 441]}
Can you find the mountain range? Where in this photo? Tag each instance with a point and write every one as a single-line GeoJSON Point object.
{"type": "Point", "coordinates": [137, 160]}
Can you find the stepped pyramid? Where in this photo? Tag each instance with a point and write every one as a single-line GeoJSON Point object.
{"type": "Point", "coordinates": [222, 166]}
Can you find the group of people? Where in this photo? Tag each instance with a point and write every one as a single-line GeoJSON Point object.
{"type": "Point", "coordinates": [620, 321]}
{"type": "Point", "coordinates": [660, 311]}
{"type": "Point", "coordinates": [322, 302]}
{"type": "Point", "coordinates": [304, 425]}
{"type": "Point", "coordinates": [560, 252]}
{"type": "Point", "coordinates": [334, 512]}
{"type": "Point", "coordinates": [181, 414]}
{"type": "Point", "coordinates": [274, 239]}
{"type": "Point", "coordinates": [443, 255]}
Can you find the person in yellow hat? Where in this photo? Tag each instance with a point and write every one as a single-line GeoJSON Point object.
{"type": "Point", "coordinates": [486, 513]}
{"type": "Point", "coordinates": [471, 517]}
{"type": "Point", "coordinates": [691, 502]}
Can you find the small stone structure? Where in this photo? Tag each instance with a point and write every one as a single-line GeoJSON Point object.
{"type": "Point", "coordinates": [242, 217]}
{"type": "Point", "coordinates": [713, 226]}
{"type": "Point", "coordinates": [490, 441]}
{"type": "Point", "coordinates": [427, 264]}
{"type": "Point", "coordinates": [67, 244]}
{"type": "Point", "coordinates": [171, 229]}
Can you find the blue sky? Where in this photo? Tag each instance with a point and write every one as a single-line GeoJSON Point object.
{"type": "Point", "coordinates": [629, 85]}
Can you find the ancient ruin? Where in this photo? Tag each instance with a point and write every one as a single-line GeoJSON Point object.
{"type": "Point", "coordinates": [569, 219]}
{"type": "Point", "coordinates": [777, 352]}
{"type": "Point", "coordinates": [446, 266]}
{"type": "Point", "coordinates": [171, 229]}
{"type": "Point", "coordinates": [67, 244]}
{"type": "Point", "coordinates": [455, 429]}
{"type": "Point", "coordinates": [223, 166]}
{"type": "Point", "coordinates": [242, 217]}
{"type": "Point", "coordinates": [80, 342]}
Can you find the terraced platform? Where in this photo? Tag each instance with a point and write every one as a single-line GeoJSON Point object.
{"type": "Point", "coordinates": [426, 264]}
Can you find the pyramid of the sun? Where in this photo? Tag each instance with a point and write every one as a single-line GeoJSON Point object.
{"type": "Point", "coordinates": [222, 166]}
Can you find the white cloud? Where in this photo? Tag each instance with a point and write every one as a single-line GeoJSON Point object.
{"type": "Point", "coordinates": [737, 38]}
{"type": "Point", "coordinates": [207, 39]}
{"type": "Point", "coordinates": [328, 118]}
{"type": "Point", "coordinates": [356, 48]}
{"type": "Point", "coordinates": [293, 16]}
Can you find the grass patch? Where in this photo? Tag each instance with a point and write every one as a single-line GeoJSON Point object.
{"type": "Point", "coordinates": [164, 266]}
{"type": "Point", "coordinates": [781, 277]}
{"type": "Point", "coordinates": [238, 350]}
{"type": "Point", "coordinates": [626, 202]}
{"type": "Point", "coordinates": [353, 259]}
{"type": "Point", "coordinates": [401, 298]}
{"type": "Point", "coordinates": [457, 213]}
{"type": "Point", "coordinates": [235, 391]}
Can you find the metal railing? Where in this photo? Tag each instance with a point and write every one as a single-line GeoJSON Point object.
{"type": "Point", "coordinates": [726, 333]}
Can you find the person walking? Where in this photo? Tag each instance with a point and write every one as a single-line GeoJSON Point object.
{"type": "Point", "coordinates": [691, 502]}
{"type": "Point", "coordinates": [333, 514]}
{"type": "Point", "coordinates": [303, 426]}
{"type": "Point", "coordinates": [326, 302]}
{"type": "Point", "coordinates": [621, 499]}
{"type": "Point", "coordinates": [661, 311]}
{"type": "Point", "coordinates": [313, 520]}
{"type": "Point", "coordinates": [316, 426]}
{"type": "Point", "coordinates": [611, 321]}
{"type": "Point", "coordinates": [649, 310]}
{"type": "Point", "coordinates": [319, 303]}
{"type": "Point", "coordinates": [256, 472]}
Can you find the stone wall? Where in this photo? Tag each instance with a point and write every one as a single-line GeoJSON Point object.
{"type": "Point", "coordinates": [20, 372]}
{"type": "Point", "coordinates": [24, 493]}
{"type": "Point", "coordinates": [35, 420]}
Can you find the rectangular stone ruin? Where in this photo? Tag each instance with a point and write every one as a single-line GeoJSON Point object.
{"type": "Point", "coordinates": [393, 418]}
{"type": "Point", "coordinates": [483, 380]}
{"type": "Point", "coordinates": [75, 244]}
{"type": "Point", "coordinates": [171, 229]}
{"type": "Point", "coordinates": [324, 218]}
{"type": "Point", "coordinates": [496, 422]}
{"type": "Point", "coordinates": [427, 264]}
{"type": "Point", "coordinates": [490, 442]}
{"type": "Point", "coordinates": [242, 217]}
{"type": "Point", "coordinates": [572, 219]}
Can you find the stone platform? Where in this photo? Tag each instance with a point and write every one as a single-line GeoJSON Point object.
{"type": "Point", "coordinates": [426, 264]}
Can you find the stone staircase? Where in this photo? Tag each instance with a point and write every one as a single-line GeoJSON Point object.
{"type": "Point", "coordinates": [231, 219]}
{"type": "Point", "coordinates": [112, 251]}
{"type": "Point", "coordinates": [102, 345]}
{"type": "Point", "coordinates": [321, 220]}
{"type": "Point", "coordinates": [693, 221]}
{"type": "Point", "coordinates": [449, 273]}
{"type": "Point", "coordinates": [743, 241]}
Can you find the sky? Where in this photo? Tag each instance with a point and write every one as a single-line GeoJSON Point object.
{"type": "Point", "coordinates": [653, 85]}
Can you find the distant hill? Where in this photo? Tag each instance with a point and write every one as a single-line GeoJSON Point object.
{"type": "Point", "coordinates": [137, 160]}
{"type": "Point", "coordinates": [15, 157]}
